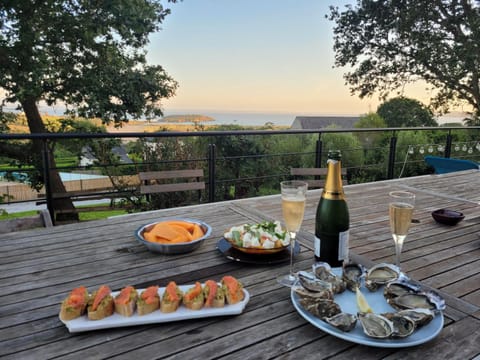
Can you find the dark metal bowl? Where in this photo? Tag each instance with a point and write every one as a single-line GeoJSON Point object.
{"type": "Point", "coordinates": [178, 248]}
{"type": "Point", "coordinates": [447, 217]}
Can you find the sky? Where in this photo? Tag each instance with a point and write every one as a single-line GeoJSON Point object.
{"type": "Point", "coordinates": [270, 56]}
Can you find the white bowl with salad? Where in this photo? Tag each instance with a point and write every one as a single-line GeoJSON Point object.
{"type": "Point", "coordinates": [267, 237]}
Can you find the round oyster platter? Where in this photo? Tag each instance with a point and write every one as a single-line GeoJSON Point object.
{"type": "Point", "coordinates": [347, 301]}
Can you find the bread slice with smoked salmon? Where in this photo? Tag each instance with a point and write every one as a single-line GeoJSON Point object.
{"type": "Point", "coordinates": [193, 298]}
{"type": "Point", "coordinates": [214, 295]}
{"type": "Point", "coordinates": [233, 289]}
{"type": "Point", "coordinates": [125, 301]}
{"type": "Point", "coordinates": [171, 298]}
{"type": "Point", "coordinates": [148, 301]}
{"type": "Point", "coordinates": [100, 304]}
{"type": "Point", "coordinates": [75, 304]}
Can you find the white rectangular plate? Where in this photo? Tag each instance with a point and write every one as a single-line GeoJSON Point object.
{"type": "Point", "coordinates": [116, 320]}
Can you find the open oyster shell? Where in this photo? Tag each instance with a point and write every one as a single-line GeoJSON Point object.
{"type": "Point", "coordinates": [400, 287]}
{"type": "Point", "coordinates": [343, 321]}
{"type": "Point", "coordinates": [426, 300]}
{"type": "Point", "coordinates": [323, 271]}
{"type": "Point", "coordinates": [313, 284]}
{"type": "Point", "coordinates": [322, 308]}
{"type": "Point", "coordinates": [419, 316]}
{"type": "Point", "coordinates": [403, 326]}
{"type": "Point", "coordinates": [381, 274]}
{"type": "Point", "coordinates": [352, 275]}
{"type": "Point", "coordinates": [304, 293]}
{"type": "Point", "coordinates": [376, 326]}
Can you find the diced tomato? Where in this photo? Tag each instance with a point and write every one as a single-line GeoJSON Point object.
{"type": "Point", "coordinates": [232, 286]}
{"type": "Point", "coordinates": [124, 295]}
{"type": "Point", "coordinates": [193, 292]}
{"type": "Point", "coordinates": [212, 285]}
{"type": "Point", "coordinates": [149, 294]}
{"type": "Point", "coordinates": [171, 291]}
{"type": "Point", "coordinates": [102, 292]}
{"type": "Point", "coordinates": [77, 297]}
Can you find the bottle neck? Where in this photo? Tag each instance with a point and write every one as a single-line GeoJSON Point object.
{"type": "Point", "coordinates": [333, 189]}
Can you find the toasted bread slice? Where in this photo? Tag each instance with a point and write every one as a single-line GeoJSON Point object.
{"type": "Point", "coordinates": [171, 298]}
{"type": "Point", "coordinates": [125, 301]}
{"type": "Point", "coordinates": [214, 295]}
{"type": "Point", "coordinates": [148, 301]}
{"type": "Point", "coordinates": [75, 304]}
{"type": "Point", "coordinates": [100, 304]}
{"type": "Point", "coordinates": [193, 298]}
{"type": "Point", "coordinates": [233, 289]}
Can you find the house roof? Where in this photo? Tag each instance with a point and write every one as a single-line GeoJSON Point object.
{"type": "Point", "coordinates": [321, 122]}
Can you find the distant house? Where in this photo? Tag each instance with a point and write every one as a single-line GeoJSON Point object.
{"type": "Point", "coordinates": [88, 158]}
{"type": "Point", "coordinates": [321, 122]}
{"type": "Point", "coordinates": [121, 152]}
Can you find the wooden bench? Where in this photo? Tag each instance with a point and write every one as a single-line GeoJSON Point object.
{"type": "Point", "coordinates": [42, 219]}
{"type": "Point", "coordinates": [312, 176]}
{"type": "Point", "coordinates": [154, 182]}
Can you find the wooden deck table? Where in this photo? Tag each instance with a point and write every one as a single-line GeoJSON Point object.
{"type": "Point", "coordinates": [38, 268]}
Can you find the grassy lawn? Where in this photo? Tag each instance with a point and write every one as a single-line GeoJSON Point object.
{"type": "Point", "coordinates": [84, 216]}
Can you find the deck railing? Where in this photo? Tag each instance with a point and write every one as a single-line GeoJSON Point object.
{"type": "Point", "coordinates": [458, 142]}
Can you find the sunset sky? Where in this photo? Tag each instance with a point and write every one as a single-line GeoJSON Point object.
{"type": "Point", "coordinates": [256, 56]}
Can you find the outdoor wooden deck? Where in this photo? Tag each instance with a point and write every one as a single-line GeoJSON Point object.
{"type": "Point", "coordinates": [38, 269]}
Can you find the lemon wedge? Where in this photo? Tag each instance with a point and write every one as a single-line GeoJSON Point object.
{"type": "Point", "coordinates": [362, 303]}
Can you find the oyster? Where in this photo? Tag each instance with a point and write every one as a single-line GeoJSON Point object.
{"type": "Point", "coordinates": [323, 271]}
{"type": "Point", "coordinates": [426, 300]}
{"type": "Point", "coordinates": [376, 326]}
{"type": "Point", "coordinates": [419, 316]}
{"type": "Point", "coordinates": [304, 293]}
{"type": "Point", "coordinates": [343, 321]}
{"type": "Point", "coordinates": [400, 287]}
{"type": "Point", "coordinates": [380, 274]}
{"type": "Point", "coordinates": [352, 275]}
{"type": "Point", "coordinates": [403, 326]}
{"type": "Point", "coordinates": [322, 308]}
{"type": "Point", "coordinates": [311, 283]}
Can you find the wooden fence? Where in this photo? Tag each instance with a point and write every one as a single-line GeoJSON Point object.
{"type": "Point", "coordinates": [15, 192]}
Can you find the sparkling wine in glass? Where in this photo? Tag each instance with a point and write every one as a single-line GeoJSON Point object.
{"type": "Point", "coordinates": [293, 208]}
{"type": "Point", "coordinates": [400, 210]}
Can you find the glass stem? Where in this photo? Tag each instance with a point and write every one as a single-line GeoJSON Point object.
{"type": "Point", "coordinates": [398, 251]}
{"type": "Point", "coordinates": [293, 236]}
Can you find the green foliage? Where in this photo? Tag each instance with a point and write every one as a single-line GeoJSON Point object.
{"type": "Point", "coordinates": [411, 164]}
{"type": "Point", "coordinates": [373, 138]}
{"type": "Point", "coordinates": [6, 118]}
{"type": "Point", "coordinates": [405, 112]}
{"type": "Point", "coordinates": [352, 153]}
{"type": "Point", "coordinates": [388, 44]}
{"type": "Point", "coordinates": [82, 54]}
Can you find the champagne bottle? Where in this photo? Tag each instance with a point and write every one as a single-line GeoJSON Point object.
{"type": "Point", "coordinates": [332, 220]}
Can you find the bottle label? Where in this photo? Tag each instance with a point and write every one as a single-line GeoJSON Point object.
{"type": "Point", "coordinates": [343, 238]}
{"type": "Point", "coordinates": [316, 244]}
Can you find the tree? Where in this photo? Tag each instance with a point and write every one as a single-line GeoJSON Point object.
{"type": "Point", "coordinates": [405, 112]}
{"type": "Point", "coordinates": [391, 43]}
{"type": "Point", "coordinates": [373, 142]}
{"type": "Point", "coordinates": [86, 55]}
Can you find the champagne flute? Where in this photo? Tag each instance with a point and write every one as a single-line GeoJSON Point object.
{"type": "Point", "coordinates": [293, 208]}
{"type": "Point", "coordinates": [400, 210]}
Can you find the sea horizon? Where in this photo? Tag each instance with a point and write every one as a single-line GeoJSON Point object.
{"type": "Point", "coordinates": [256, 118]}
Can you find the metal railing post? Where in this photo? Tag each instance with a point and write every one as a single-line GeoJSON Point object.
{"type": "Point", "coordinates": [448, 147]}
{"type": "Point", "coordinates": [318, 152]}
{"type": "Point", "coordinates": [46, 176]}
{"type": "Point", "coordinates": [391, 156]}
{"type": "Point", "coordinates": [211, 172]}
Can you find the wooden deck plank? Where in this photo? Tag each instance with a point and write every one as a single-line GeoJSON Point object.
{"type": "Point", "coordinates": [43, 266]}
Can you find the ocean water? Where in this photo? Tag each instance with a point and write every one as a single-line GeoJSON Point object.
{"type": "Point", "coordinates": [242, 119]}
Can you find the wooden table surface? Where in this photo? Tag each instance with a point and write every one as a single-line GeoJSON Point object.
{"type": "Point", "coordinates": [38, 269]}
